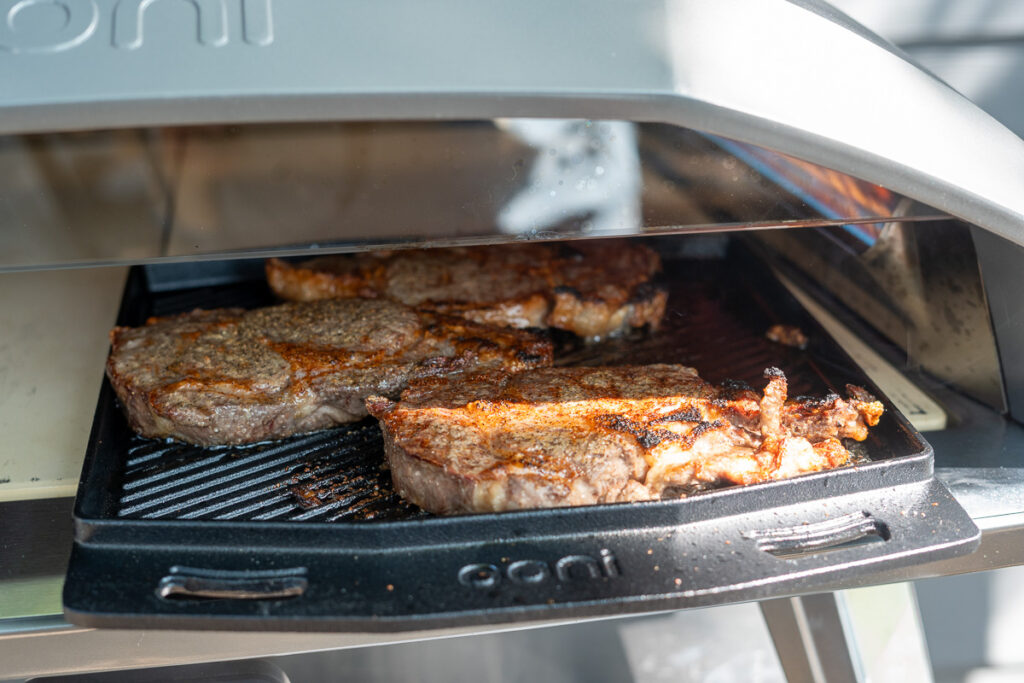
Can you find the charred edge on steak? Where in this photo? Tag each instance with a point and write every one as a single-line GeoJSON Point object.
{"type": "Point", "coordinates": [858, 393]}
{"type": "Point", "coordinates": [703, 428]}
{"type": "Point", "coordinates": [642, 293]}
{"type": "Point", "coordinates": [814, 402]}
{"type": "Point", "coordinates": [649, 438]}
{"type": "Point", "coordinates": [573, 292]}
{"type": "Point", "coordinates": [525, 357]}
{"type": "Point", "coordinates": [691, 414]}
{"type": "Point", "coordinates": [646, 291]}
{"type": "Point", "coordinates": [731, 389]}
{"type": "Point", "coordinates": [479, 341]}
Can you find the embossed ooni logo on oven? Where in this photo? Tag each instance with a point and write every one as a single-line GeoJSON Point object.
{"type": "Point", "coordinates": [536, 572]}
{"type": "Point", "coordinates": [48, 26]}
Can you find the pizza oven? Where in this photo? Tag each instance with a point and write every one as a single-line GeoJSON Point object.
{"type": "Point", "coordinates": [852, 198]}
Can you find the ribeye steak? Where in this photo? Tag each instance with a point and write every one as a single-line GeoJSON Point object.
{"type": "Point", "coordinates": [232, 376]}
{"type": "Point", "coordinates": [593, 289]}
{"type": "Point", "coordinates": [573, 436]}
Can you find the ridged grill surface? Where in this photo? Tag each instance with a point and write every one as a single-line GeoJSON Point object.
{"type": "Point", "coordinates": [329, 475]}
{"type": "Point", "coordinates": [715, 322]}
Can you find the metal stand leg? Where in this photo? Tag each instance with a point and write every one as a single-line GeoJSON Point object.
{"type": "Point", "coordinates": [812, 638]}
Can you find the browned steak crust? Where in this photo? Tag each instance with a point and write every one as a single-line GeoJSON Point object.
{"type": "Point", "coordinates": [231, 376]}
{"type": "Point", "coordinates": [575, 436]}
{"type": "Point", "coordinates": [591, 288]}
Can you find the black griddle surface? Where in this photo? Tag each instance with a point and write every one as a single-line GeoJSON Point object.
{"type": "Point", "coordinates": [717, 315]}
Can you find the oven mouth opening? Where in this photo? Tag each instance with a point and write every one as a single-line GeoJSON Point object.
{"type": "Point", "coordinates": [155, 517]}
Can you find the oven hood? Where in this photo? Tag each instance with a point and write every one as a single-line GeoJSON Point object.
{"type": "Point", "coordinates": [794, 76]}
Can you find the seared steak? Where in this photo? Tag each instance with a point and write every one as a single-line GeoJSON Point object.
{"type": "Point", "coordinates": [575, 436]}
{"type": "Point", "coordinates": [591, 288]}
{"type": "Point", "coordinates": [232, 376]}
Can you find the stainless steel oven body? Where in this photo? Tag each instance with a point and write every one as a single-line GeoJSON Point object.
{"type": "Point", "coordinates": [189, 137]}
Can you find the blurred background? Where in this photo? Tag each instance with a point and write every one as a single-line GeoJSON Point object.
{"type": "Point", "coordinates": [977, 46]}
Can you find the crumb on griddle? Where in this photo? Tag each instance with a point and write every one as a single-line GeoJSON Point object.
{"type": "Point", "coordinates": [788, 335]}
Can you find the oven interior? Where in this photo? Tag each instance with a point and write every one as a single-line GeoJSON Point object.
{"type": "Point", "coordinates": [307, 534]}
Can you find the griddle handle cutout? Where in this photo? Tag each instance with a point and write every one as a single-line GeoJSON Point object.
{"type": "Point", "coordinates": [188, 583]}
{"type": "Point", "coordinates": [831, 534]}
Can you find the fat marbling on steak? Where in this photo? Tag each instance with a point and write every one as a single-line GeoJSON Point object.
{"type": "Point", "coordinates": [577, 436]}
{"type": "Point", "coordinates": [594, 289]}
{"type": "Point", "coordinates": [231, 376]}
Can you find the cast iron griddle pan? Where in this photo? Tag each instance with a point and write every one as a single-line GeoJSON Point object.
{"type": "Point", "coordinates": [307, 533]}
